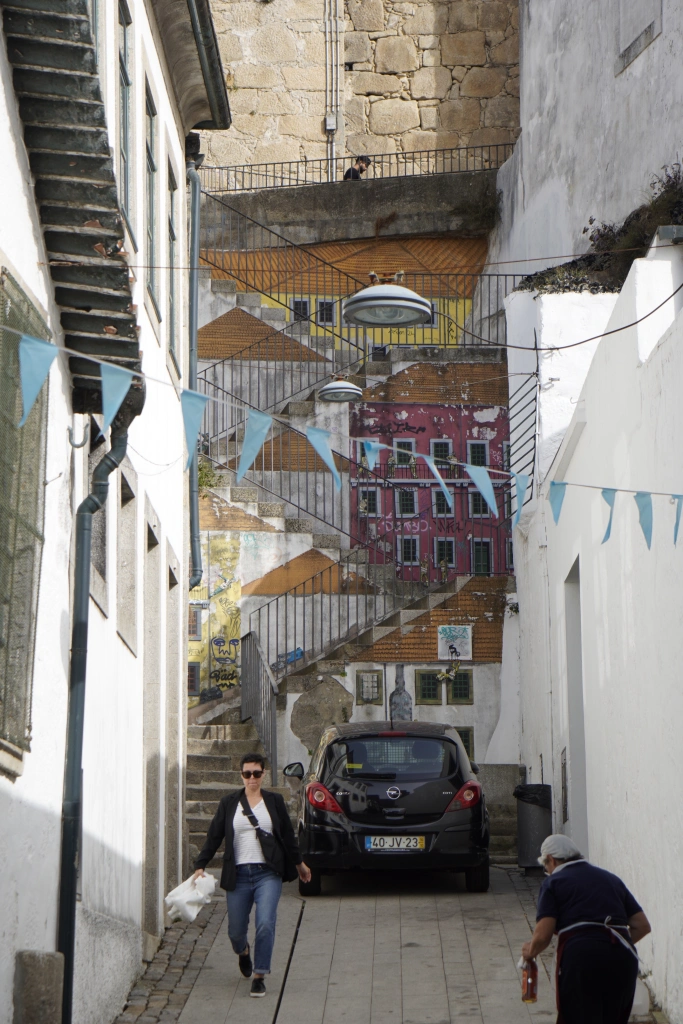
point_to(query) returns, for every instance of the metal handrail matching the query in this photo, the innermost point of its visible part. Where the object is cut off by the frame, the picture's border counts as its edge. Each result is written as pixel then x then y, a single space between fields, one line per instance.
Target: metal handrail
pixel 259 697
pixel 295 173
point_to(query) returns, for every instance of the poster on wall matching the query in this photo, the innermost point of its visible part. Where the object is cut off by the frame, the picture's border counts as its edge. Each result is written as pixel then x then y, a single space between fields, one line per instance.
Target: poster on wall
pixel 455 643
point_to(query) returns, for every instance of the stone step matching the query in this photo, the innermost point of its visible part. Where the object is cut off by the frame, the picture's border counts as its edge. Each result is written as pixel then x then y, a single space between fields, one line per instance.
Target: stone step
pixel 371 636
pixel 357 556
pixel 299 409
pixel 244 494
pixel 327 541
pixel 251 299
pixel 298 526
pixel 238 731
pixel 272 509
pixel 273 316
pixel 224 748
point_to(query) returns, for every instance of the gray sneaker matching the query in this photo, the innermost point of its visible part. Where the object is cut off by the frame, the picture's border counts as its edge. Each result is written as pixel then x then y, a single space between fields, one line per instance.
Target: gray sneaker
pixel 258 988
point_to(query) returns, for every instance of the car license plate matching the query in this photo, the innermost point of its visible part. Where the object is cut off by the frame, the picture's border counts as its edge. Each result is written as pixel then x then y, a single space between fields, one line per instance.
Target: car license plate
pixel 388 843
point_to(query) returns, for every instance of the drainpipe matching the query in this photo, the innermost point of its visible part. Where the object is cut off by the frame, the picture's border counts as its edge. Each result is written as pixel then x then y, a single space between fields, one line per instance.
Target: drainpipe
pixel 193 160
pixel 72 808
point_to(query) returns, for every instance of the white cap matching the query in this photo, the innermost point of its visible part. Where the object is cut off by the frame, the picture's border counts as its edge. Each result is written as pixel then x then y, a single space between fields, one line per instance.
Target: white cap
pixel 560 847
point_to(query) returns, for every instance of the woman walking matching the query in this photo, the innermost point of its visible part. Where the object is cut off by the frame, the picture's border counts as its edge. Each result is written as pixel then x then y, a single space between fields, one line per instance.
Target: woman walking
pixel 598 922
pixel 260 852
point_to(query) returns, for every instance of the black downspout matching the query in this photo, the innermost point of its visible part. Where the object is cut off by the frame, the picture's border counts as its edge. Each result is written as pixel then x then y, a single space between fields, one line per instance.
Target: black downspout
pixel 72 809
pixel 193 157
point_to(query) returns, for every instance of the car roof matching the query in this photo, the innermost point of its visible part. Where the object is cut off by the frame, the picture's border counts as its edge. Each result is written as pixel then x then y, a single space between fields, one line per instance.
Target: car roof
pixel 433 729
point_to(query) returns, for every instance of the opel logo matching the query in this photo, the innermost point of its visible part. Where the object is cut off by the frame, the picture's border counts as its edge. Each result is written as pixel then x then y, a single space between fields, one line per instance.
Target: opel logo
pixel 393 792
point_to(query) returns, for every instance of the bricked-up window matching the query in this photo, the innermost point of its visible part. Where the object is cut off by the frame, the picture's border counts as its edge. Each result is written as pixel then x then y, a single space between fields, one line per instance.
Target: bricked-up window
pixel 460 689
pixel 125 90
pixel 466 734
pixel 22 469
pixel 428 688
pixel 193 673
pixel 477 453
pixel 194 623
pixel 408 550
pixel 369 687
pixel 481 558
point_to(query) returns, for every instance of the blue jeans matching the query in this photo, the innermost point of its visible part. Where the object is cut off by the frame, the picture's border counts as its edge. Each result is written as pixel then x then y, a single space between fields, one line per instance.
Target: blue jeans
pixel 256 884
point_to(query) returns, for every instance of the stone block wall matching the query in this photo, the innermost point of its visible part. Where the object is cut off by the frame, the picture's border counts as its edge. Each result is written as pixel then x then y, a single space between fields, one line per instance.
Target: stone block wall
pixel 415 76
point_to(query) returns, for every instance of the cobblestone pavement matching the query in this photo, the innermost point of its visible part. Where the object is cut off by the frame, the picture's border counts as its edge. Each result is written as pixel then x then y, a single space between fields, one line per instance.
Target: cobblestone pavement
pixel 372 949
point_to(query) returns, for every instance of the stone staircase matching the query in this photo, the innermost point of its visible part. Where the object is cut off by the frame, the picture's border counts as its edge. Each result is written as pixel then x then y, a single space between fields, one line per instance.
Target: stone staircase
pixel 214 750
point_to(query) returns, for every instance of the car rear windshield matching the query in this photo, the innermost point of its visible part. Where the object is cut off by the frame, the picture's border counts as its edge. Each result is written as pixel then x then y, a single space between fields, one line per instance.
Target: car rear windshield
pixel 392 757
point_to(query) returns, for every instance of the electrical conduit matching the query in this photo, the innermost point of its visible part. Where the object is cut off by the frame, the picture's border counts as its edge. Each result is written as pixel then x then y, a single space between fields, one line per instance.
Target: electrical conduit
pixel 191 150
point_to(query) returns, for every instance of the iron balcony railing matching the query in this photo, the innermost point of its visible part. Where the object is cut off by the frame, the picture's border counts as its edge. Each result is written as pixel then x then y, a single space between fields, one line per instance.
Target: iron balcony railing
pixel 293 173
pixel 259 695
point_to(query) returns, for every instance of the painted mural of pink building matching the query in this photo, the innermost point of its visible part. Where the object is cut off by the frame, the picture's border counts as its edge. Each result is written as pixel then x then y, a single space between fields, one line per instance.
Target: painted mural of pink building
pixel 455 413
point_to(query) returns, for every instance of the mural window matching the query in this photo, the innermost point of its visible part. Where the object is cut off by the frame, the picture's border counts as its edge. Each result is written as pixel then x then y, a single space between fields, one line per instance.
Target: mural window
pixel 369 687
pixel 444 551
pixel 403 452
pixel 151 196
pixel 369 501
pixel 326 313
pixel 466 734
pixel 482 562
pixel 22 463
pixel 194 623
pixel 428 688
pixel 301 310
pixel 125 89
pixel 460 689
pixel 440 506
pixel 406 501
pixel 441 450
pixel 478 453
pixel 193 675
pixel 478 505
pixel 408 550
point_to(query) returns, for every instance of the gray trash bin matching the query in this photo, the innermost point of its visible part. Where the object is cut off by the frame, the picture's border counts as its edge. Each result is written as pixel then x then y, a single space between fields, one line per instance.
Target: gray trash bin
pixel 534 822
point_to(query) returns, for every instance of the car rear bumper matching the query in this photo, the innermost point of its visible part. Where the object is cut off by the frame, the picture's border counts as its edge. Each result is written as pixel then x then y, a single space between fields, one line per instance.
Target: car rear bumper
pixel 339 850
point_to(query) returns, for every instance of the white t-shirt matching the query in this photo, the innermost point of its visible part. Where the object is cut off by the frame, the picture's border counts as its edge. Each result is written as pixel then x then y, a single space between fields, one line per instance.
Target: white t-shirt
pixel 246 844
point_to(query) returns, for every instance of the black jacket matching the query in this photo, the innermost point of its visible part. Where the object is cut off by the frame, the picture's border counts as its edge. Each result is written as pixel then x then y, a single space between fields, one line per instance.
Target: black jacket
pixel 222 828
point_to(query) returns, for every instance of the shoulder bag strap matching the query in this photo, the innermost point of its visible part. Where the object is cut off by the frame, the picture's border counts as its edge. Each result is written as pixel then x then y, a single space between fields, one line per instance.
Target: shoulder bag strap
pixel 248 813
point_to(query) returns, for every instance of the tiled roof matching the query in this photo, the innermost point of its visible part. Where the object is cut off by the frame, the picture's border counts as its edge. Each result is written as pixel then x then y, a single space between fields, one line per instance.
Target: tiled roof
pixel 290 452
pixel 236 331
pixel 217 514
pixel 412 255
pixel 437 383
pixel 481 603
pixel 329 578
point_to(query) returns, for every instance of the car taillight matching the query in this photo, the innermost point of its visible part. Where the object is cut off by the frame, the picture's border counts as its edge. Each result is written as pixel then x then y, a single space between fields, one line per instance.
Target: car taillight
pixel 467 796
pixel 321 798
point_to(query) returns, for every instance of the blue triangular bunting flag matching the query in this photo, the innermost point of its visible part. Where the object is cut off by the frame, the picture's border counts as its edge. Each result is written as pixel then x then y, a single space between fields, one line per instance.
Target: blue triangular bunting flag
pixel 678 498
pixel 35 359
pixel 521 484
pixel 320 441
pixel 609 494
pixel 256 431
pixel 192 405
pixel 556 497
pixel 115 384
pixel 432 465
pixel 372 450
pixel 482 481
pixel 643 500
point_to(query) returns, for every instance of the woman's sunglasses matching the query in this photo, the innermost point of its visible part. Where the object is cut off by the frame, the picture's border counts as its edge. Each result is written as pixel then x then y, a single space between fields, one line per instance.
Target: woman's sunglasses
pixel 248 775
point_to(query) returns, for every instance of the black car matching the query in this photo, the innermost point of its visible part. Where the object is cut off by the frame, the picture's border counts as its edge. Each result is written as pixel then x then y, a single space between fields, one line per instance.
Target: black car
pixel 383 796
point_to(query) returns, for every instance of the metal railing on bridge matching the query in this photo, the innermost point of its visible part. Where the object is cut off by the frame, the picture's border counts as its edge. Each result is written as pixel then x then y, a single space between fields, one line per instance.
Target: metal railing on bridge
pixel 294 173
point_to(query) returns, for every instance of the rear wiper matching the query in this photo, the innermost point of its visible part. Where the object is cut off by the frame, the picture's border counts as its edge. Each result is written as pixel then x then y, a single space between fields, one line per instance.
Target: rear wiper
pixel 373 775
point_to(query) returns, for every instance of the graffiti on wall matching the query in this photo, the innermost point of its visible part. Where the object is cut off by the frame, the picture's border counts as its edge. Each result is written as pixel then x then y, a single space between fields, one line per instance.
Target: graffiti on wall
pixel 218 651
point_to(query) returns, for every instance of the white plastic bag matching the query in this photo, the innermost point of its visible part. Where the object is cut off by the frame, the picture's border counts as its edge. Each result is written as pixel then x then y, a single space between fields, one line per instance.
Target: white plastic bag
pixel 185 901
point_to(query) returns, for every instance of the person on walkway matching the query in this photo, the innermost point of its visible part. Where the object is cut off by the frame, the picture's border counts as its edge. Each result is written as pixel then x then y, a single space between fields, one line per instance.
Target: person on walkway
pixel 356 172
pixel 598 922
pixel 260 852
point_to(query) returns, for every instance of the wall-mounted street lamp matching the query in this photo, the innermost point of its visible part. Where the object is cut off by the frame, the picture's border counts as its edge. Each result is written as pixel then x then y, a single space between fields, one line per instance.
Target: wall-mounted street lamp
pixel 340 390
pixel 387 305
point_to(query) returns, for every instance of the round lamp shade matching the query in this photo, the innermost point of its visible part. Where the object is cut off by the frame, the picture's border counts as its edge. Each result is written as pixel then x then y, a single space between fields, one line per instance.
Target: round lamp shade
pixel 340 391
pixel 387 305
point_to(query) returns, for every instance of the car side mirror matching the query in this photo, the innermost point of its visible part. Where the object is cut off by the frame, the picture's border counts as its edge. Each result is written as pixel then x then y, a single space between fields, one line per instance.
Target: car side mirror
pixel 294 771
pixel 473 765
